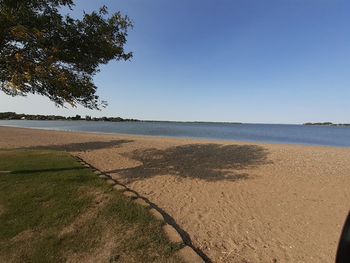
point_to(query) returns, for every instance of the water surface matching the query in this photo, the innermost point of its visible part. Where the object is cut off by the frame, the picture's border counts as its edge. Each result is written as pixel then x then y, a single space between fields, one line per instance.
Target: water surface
pixel 267 133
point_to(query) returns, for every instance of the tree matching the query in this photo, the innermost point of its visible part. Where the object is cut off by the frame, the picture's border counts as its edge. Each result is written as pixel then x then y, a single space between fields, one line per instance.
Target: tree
pixel 44 52
pixel 76 118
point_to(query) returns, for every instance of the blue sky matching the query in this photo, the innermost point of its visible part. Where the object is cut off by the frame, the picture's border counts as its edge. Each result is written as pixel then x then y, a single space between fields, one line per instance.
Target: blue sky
pixel 282 61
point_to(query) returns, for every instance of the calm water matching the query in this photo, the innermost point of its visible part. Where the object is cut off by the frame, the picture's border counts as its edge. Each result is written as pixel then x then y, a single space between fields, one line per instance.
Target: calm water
pixel 269 133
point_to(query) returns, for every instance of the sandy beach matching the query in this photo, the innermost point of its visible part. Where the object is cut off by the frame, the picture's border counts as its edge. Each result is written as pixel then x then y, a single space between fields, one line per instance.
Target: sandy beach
pixel 238 202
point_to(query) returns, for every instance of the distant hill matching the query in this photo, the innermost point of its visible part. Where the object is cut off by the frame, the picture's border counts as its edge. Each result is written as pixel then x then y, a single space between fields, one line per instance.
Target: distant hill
pixel 15 116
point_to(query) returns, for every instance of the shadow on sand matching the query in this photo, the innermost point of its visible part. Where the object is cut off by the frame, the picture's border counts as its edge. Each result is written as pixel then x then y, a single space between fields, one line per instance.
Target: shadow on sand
pixel 210 162
pixel 84 146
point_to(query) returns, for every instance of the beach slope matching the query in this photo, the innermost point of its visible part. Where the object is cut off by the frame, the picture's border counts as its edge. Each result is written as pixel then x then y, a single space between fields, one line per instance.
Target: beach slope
pixel 238 202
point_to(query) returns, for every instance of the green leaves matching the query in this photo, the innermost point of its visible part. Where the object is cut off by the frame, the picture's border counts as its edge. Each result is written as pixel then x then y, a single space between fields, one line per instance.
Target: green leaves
pixel 43 52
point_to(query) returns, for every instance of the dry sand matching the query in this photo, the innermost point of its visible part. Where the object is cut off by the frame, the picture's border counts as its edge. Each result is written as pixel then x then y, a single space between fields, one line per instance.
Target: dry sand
pixel 239 202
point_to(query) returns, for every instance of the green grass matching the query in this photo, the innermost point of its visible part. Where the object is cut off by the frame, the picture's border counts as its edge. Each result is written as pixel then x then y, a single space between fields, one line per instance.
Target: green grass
pixel 52 209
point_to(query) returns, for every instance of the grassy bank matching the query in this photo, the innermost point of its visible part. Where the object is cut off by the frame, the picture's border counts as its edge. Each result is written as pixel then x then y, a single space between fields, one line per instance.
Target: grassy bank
pixel 52 210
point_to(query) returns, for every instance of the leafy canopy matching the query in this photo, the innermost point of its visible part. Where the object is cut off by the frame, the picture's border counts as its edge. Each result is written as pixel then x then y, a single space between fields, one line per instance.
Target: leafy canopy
pixel 54 55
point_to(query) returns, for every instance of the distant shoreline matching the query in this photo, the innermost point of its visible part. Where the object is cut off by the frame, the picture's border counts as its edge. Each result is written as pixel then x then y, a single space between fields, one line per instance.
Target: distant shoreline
pixel 32 117
pixel 327 124
pixel 7 116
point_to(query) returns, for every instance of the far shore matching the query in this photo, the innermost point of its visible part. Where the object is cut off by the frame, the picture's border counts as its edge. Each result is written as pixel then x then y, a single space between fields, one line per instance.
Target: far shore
pixel 236 201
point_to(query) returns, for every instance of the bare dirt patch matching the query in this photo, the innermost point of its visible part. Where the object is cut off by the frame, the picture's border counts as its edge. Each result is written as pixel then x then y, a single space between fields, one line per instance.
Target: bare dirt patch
pixel 102 252
pixel 24 236
pixel 99 200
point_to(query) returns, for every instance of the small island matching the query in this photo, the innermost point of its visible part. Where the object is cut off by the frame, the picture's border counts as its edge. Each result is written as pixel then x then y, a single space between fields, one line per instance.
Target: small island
pixel 326 124
pixel 22 116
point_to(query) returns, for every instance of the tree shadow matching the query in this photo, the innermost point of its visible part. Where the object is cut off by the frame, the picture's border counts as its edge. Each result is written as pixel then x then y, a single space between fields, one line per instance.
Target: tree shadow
pixel 47 170
pixel 83 146
pixel 210 162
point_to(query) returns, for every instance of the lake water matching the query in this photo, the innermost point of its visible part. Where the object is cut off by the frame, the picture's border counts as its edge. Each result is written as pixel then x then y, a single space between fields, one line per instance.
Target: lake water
pixel 268 133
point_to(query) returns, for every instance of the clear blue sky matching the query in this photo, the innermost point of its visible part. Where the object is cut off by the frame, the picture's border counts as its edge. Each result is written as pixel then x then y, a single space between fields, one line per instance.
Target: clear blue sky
pixel 282 61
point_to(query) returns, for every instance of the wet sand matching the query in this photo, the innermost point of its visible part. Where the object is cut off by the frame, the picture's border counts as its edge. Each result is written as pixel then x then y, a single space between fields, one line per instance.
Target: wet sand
pixel 239 202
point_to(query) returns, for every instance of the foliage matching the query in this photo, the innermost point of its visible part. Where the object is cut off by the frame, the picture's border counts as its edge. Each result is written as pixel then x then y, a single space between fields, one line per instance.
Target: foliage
pixel 43 52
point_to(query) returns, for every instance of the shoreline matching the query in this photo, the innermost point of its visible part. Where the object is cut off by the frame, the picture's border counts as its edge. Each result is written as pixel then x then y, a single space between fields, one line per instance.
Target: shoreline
pixel 237 201
pixel 199 139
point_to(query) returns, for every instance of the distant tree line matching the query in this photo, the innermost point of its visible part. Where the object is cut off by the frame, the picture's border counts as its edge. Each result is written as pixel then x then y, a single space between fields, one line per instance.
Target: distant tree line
pixel 15 116
pixel 326 124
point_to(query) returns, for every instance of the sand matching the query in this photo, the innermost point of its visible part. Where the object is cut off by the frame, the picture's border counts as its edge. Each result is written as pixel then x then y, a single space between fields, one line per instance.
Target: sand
pixel 238 202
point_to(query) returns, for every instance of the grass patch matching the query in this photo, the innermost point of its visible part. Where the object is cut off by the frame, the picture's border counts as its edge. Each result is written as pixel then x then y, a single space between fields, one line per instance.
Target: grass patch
pixel 52 209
